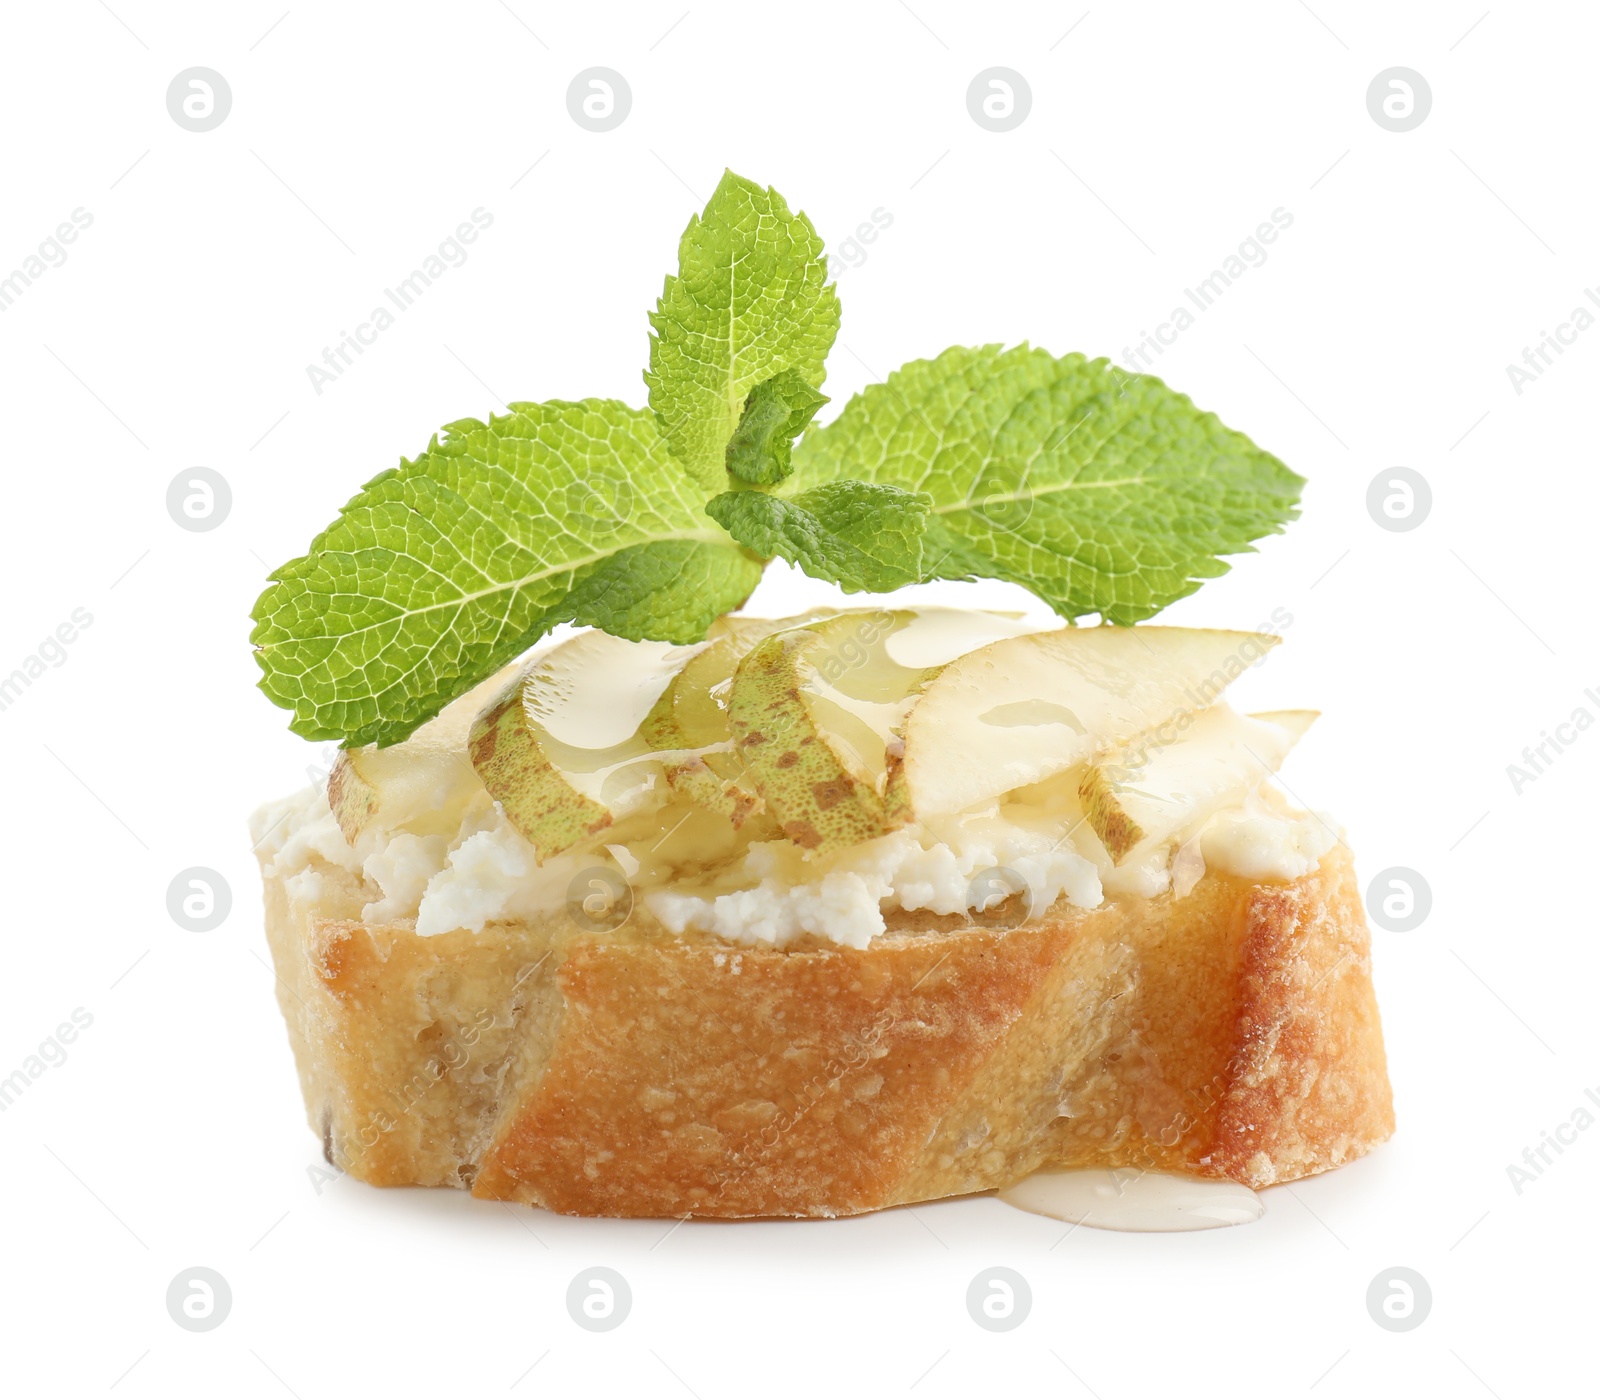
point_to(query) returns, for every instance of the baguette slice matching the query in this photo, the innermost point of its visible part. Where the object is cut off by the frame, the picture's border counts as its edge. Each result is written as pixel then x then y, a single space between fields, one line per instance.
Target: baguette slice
pixel 1232 1033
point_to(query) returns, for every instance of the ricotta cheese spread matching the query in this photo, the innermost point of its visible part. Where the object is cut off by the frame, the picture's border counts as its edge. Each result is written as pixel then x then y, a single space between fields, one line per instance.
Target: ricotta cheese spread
pixel 770 894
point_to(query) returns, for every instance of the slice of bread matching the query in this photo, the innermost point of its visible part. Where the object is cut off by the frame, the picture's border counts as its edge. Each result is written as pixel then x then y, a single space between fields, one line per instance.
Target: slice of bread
pixel 1231 1033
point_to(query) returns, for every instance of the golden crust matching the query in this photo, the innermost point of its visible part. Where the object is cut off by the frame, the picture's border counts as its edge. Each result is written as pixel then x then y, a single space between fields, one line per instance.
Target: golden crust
pixel 1232 1033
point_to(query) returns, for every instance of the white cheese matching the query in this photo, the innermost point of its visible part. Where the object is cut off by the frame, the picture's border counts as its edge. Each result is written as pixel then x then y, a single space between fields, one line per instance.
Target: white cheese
pixel 1258 843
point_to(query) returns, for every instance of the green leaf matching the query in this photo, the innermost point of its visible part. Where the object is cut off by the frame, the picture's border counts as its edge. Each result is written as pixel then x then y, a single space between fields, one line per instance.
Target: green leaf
pixel 776 413
pixel 668 591
pixel 866 537
pixel 1102 491
pixel 750 300
pixel 440 571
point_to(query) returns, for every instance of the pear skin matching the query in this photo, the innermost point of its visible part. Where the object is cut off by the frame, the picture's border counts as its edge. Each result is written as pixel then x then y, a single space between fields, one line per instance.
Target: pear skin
pixel 805 782
pixel 510 758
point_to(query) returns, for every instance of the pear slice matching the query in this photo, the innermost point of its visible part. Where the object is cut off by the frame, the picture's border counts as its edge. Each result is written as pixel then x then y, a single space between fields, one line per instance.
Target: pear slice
pixel 1147 791
pixel 560 747
pixel 419 785
pixel 816 713
pixel 1022 709
pixel 690 720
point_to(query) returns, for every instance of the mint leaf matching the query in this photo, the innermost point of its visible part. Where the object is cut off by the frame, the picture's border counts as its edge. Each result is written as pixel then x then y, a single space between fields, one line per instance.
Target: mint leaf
pixel 750 300
pixel 866 537
pixel 776 413
pixel 1102 491
pixel 667 591
pixel 440 571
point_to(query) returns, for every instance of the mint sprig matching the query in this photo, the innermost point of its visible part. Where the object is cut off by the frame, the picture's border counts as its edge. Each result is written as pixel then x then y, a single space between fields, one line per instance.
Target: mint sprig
pixel 1103 492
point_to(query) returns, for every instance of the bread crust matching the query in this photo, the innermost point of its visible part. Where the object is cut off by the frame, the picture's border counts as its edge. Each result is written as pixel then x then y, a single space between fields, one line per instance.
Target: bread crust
pixel 1232 1033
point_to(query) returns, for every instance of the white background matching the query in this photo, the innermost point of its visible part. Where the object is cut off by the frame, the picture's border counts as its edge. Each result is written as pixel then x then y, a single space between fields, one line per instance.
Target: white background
pixel 1377 334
